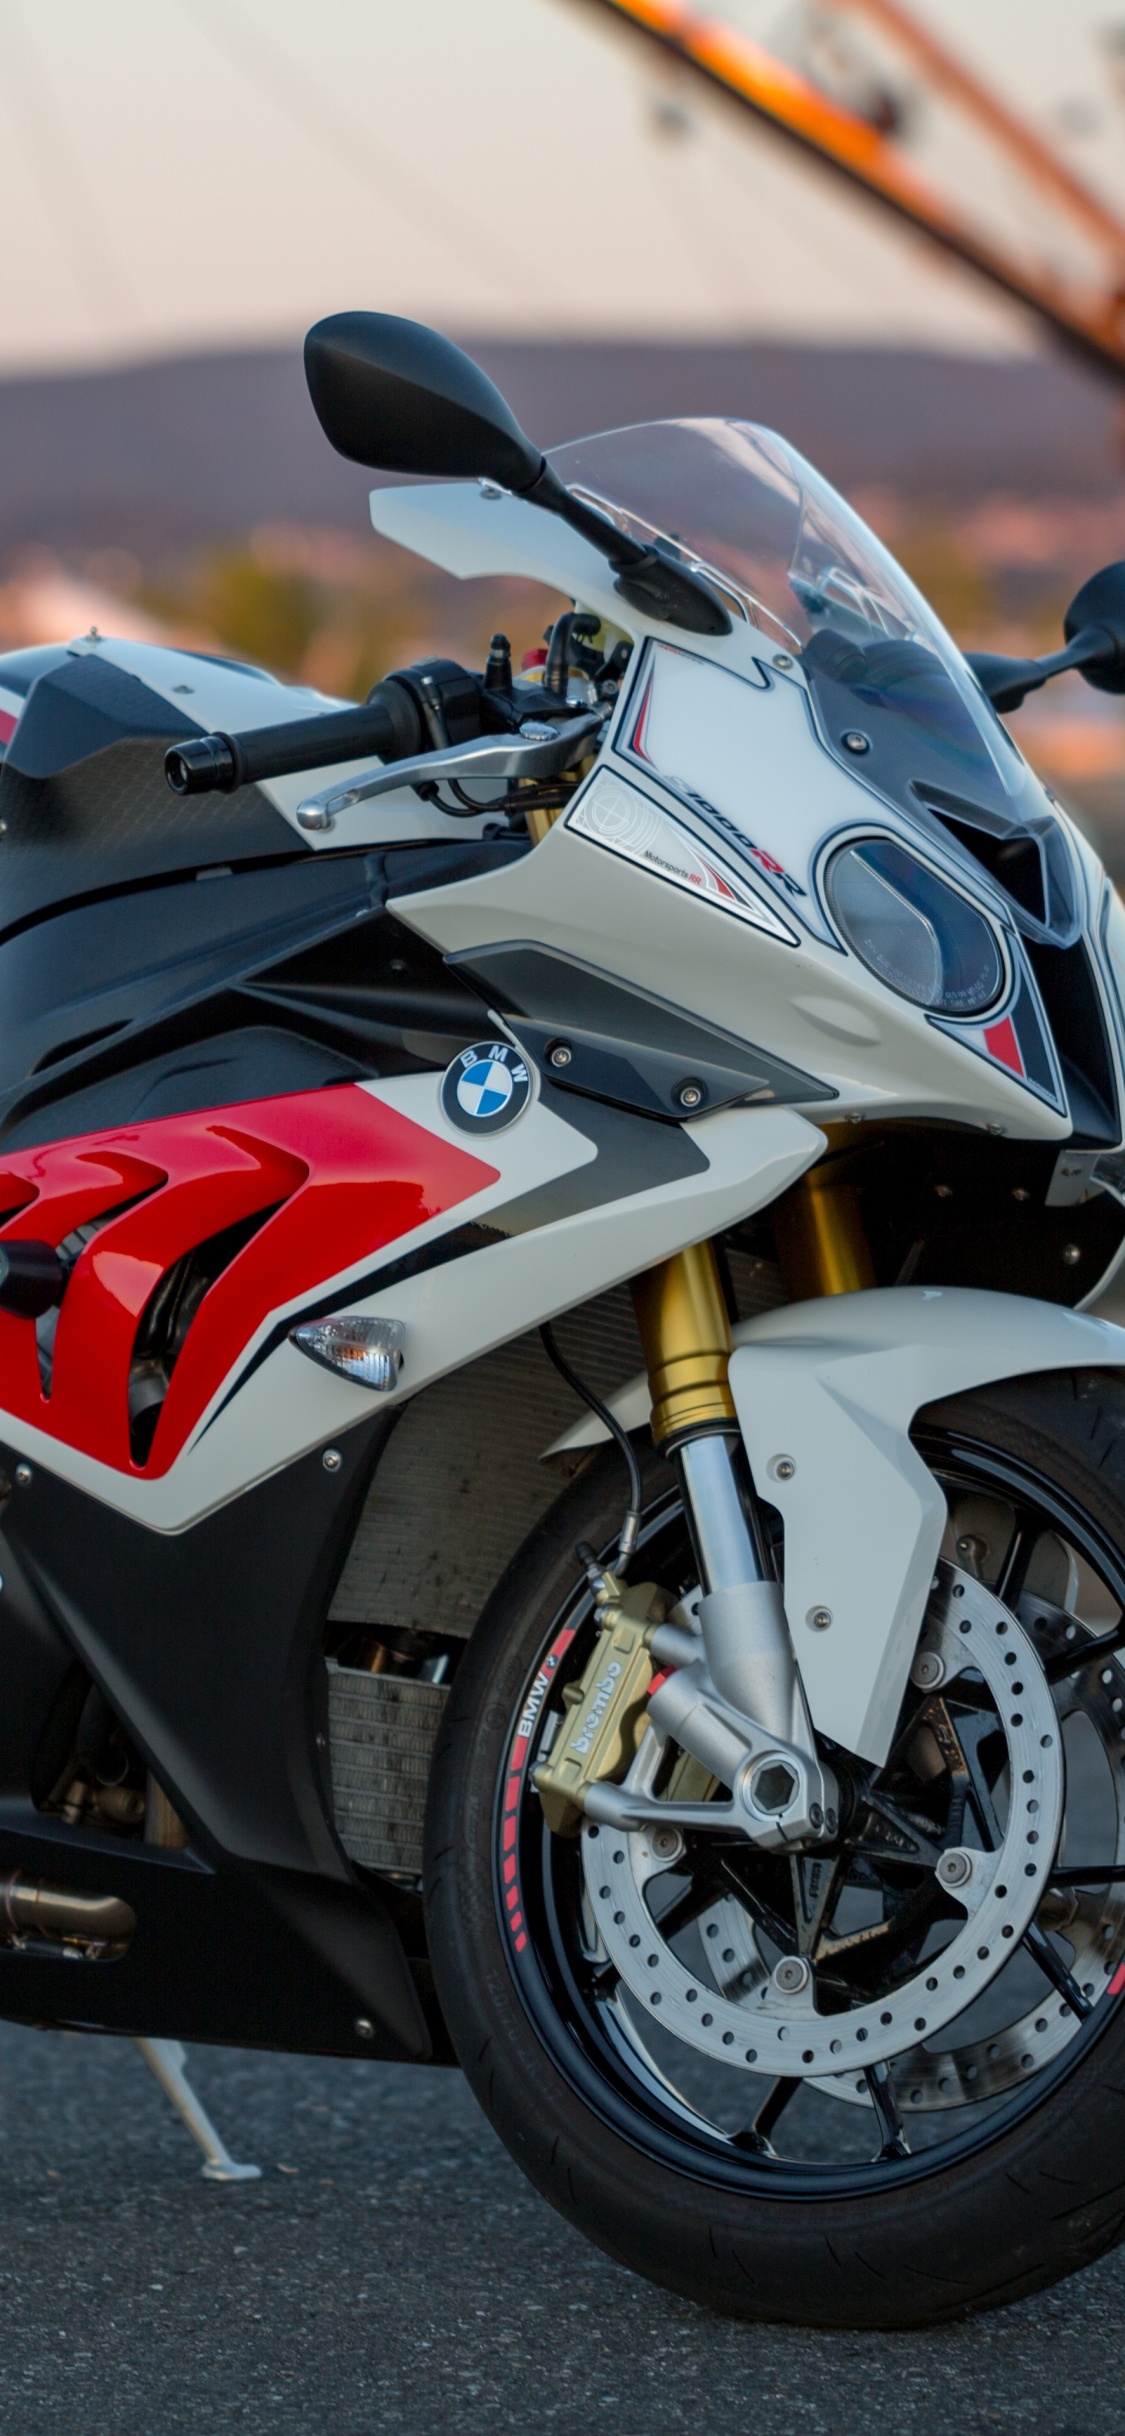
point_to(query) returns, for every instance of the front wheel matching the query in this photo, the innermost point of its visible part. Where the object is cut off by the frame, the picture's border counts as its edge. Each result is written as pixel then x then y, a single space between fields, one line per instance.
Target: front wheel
pixel 876 2086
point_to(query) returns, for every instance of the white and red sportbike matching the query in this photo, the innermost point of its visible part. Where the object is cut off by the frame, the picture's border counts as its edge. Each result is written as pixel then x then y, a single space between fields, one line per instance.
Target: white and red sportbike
pixel 715 1020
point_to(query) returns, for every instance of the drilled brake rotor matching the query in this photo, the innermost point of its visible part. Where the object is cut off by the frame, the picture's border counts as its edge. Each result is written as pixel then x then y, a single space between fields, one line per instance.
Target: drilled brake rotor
pixel 1091 1920
pixel 741 2015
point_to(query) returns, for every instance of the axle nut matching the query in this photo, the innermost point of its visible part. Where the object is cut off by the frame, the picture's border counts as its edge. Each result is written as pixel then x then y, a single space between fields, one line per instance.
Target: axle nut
pixel 955 1869
pixel 928 1670
pixel 773 1786
pixel 792 1975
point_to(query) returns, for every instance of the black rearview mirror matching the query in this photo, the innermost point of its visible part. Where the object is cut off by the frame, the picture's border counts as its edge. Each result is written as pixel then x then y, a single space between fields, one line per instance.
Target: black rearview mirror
pixel 1094 627
pixel 1100 605
pixel 396 395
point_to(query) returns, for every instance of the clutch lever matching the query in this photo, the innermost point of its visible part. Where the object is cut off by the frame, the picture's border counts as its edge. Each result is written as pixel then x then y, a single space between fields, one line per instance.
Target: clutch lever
pixel 540 750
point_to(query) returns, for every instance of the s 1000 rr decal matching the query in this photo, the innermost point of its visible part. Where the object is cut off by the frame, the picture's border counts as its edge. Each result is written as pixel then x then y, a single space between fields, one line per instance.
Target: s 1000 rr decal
pixel 618 817
pixel 740 751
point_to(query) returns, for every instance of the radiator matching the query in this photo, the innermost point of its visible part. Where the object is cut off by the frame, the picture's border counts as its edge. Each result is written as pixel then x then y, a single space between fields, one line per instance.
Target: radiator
pixel 382 1731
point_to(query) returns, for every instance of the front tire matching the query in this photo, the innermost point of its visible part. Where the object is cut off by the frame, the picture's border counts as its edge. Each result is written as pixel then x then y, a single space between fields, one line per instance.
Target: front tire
pixel 1000 2195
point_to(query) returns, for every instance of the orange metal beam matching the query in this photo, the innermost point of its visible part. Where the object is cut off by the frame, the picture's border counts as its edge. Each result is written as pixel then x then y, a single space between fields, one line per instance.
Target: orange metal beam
pixel 945 74
pixel 1090 318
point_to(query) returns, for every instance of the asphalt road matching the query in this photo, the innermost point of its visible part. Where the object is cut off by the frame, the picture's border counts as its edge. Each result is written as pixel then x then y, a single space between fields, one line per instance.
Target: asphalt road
pixel 393 2271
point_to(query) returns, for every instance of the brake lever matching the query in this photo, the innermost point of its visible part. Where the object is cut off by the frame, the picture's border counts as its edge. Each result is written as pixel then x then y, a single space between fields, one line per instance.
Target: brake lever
pixel 540 750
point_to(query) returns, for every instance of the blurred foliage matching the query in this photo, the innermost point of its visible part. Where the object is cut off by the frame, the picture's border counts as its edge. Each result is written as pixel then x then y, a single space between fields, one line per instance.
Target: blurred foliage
pixel 337 613
pixel 952 580
pixel 260 612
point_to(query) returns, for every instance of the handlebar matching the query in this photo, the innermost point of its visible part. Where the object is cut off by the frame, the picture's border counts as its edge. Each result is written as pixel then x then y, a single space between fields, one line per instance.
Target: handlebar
pixel 388 725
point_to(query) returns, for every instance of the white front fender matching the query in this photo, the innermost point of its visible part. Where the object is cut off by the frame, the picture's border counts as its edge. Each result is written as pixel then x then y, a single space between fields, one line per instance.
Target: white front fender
pixel 832 1387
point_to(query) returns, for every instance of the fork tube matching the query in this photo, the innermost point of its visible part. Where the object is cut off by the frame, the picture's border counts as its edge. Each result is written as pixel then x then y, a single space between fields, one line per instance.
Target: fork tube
pixel 687 1343
pixel 723 1533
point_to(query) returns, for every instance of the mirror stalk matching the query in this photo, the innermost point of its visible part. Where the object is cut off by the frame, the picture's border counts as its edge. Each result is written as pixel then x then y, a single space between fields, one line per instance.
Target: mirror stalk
pixel 394 395
pixel 647 576
pixel 1097 652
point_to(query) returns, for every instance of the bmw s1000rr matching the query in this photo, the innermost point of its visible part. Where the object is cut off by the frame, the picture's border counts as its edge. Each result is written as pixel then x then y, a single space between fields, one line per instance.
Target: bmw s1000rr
pixel 562 1431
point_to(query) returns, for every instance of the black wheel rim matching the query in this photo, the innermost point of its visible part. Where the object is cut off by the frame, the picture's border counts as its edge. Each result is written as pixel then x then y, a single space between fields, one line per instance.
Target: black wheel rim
pixel 582 2018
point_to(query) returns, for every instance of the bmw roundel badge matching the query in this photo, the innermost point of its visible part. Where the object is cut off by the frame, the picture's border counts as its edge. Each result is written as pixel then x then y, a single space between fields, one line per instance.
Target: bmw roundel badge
pixel 486 1087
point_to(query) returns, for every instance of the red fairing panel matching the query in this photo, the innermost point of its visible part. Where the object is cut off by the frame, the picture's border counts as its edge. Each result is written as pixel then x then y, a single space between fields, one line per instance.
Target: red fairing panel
pixel 342 1174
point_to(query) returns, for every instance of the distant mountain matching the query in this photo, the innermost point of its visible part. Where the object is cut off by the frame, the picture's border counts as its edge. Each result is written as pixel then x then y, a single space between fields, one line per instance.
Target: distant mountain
pixel 160 456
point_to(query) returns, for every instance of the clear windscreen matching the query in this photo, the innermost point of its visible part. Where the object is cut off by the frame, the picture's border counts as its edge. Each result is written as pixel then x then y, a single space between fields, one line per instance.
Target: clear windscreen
pixel 894 700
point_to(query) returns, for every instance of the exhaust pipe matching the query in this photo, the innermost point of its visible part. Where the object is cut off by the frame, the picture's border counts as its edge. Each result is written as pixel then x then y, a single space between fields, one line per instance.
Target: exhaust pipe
pixel 58 1911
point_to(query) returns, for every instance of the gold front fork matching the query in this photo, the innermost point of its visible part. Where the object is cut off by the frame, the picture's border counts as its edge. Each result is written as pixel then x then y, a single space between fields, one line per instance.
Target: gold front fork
pixel 820 1236
pixel 685 1333
pixel 682 1314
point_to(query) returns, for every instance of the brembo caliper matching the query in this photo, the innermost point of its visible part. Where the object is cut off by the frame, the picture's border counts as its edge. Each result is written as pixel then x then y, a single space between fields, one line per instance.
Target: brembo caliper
pixel 648 1670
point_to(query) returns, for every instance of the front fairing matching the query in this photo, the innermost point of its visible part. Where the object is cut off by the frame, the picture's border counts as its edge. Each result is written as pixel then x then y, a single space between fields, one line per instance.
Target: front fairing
pixel 887 686
pixel 733 784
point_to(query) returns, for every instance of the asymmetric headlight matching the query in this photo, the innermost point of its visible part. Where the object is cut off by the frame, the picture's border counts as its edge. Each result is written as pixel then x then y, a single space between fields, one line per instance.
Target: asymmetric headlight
pixel 923 939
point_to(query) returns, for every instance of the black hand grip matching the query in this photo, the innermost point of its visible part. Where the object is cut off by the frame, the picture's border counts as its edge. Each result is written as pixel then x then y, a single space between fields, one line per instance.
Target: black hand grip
pixel 201 766
pixel 388 724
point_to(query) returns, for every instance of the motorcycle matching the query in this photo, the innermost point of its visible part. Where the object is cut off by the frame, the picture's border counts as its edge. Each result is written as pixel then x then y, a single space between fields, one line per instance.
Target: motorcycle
pixel 713 1029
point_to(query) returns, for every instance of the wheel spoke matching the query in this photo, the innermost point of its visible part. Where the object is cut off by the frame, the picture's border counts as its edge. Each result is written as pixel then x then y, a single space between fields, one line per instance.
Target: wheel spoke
pixel 1089 1873
pixel 696 1898
pixel 1017 1557
pixel 974 1730
pixel 881 2091
pixel 757 2133
pixel 772 1922
pixel 1089 1651
pixel 885 1940
pixel 1042 1951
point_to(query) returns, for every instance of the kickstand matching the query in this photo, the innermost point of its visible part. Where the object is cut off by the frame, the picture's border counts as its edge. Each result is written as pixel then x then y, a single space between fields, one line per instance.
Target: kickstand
pixel 166 2058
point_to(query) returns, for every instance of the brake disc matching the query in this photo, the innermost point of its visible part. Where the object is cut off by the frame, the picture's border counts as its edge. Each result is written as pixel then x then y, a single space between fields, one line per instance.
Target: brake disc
pixel 927 2078
pixel 743 2018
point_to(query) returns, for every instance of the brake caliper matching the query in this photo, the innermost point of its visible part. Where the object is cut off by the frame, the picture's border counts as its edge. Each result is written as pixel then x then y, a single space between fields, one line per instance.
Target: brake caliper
pixel 604 1712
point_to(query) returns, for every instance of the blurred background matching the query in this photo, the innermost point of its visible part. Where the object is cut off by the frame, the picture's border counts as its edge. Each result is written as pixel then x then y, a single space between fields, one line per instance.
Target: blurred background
pixel 896 233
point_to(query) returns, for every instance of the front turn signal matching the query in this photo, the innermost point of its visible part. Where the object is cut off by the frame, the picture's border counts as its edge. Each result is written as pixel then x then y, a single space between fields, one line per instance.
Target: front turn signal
pixel 369 1351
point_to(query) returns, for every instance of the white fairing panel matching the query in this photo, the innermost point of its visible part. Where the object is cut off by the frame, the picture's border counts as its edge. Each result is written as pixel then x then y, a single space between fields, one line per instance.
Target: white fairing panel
pixel 832 1388
pixel 752 968
pixel 572 1215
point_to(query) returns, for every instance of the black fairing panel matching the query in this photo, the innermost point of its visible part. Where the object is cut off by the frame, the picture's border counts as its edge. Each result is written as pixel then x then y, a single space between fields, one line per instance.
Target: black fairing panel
pixel 35 1656
pixel 83 800
pixel 204 1640
pixel 235 985
pixel 82 705
pixel 1074 1011
pixel 111 821
pixel 206 1644
pixel 248 1957
pixel 621 1043
pixel 134 957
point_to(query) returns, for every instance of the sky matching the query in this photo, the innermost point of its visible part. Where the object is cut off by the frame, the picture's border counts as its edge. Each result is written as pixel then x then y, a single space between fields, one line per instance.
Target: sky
pixel 185 174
